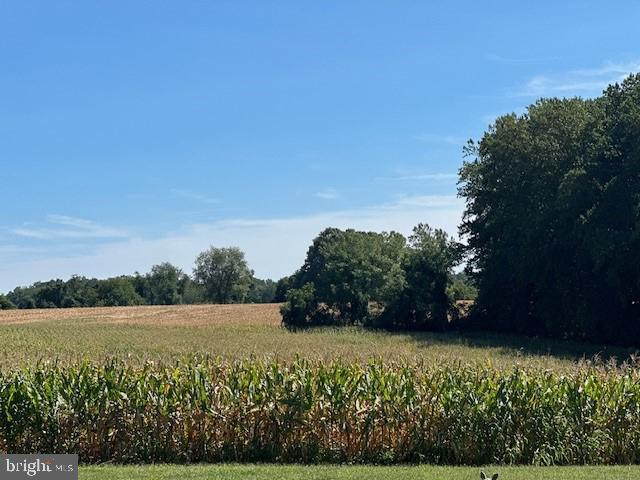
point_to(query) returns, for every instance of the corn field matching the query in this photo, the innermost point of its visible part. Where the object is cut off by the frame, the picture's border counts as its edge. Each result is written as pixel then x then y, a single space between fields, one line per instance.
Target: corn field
pixel 206 410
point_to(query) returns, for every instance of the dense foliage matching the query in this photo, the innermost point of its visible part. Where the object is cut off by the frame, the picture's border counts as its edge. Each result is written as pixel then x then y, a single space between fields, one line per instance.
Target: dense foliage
pixel 553 218
pixel 462 287
pixel 78 292
pixel 5 303
pixel 205 411
pixel 261 291
pixel 351 277
pixel 426 265
pixel 165 284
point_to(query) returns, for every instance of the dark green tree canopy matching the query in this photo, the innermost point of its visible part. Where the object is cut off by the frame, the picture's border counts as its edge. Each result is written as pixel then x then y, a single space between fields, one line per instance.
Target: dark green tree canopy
pixel 118 292
pixel 5 303
pixel 552 218
pixel 423 303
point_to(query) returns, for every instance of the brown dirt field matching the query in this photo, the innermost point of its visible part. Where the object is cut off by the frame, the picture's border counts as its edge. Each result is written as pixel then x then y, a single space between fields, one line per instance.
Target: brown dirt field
pixel 185 315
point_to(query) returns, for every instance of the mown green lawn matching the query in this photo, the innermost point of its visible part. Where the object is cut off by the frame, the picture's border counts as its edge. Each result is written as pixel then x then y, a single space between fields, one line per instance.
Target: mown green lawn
pixel 332 472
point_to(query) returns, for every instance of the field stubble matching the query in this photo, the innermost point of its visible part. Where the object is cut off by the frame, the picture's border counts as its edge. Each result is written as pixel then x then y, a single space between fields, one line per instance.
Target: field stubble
pixel 167 333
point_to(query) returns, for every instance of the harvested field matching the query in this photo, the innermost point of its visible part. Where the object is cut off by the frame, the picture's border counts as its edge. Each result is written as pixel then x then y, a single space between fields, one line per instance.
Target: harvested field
pixel 264 314
pixel 167 333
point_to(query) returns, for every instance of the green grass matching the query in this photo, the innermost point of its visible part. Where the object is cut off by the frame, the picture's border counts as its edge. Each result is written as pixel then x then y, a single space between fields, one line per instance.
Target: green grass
pixel 71 340
pixel 294 472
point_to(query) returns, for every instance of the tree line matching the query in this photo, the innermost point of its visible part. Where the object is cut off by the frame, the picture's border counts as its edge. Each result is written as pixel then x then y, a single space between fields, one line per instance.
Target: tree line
pixel 350 270
pixel 551 229
pixel 552 219
pixel 220 275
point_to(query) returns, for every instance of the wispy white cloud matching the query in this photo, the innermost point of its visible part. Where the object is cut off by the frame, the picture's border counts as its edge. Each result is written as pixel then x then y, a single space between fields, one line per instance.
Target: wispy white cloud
pixel 191 195
pixel 490 118
pixel 439 177
pixel 426 201
pixel 17 251
pixel 71 221
pixel 72 228
pixel 327 194
pixel 274 247
pixel 435 138
pixel 587 82
pixel 31 233
pixel 494 57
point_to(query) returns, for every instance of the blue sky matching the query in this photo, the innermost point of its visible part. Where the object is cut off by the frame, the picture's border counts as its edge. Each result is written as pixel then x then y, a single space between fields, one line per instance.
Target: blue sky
pixel 137 132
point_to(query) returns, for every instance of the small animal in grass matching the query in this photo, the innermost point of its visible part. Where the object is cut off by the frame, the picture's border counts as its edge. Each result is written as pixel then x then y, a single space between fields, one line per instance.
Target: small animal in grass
pixel 484 477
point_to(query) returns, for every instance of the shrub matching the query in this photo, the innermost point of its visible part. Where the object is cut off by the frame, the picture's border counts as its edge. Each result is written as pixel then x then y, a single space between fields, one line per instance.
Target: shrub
pixel 300 306
pixel 5 303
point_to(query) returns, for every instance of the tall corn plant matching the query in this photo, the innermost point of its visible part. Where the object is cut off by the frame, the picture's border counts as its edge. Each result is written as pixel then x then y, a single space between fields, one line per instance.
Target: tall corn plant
pixel 207 410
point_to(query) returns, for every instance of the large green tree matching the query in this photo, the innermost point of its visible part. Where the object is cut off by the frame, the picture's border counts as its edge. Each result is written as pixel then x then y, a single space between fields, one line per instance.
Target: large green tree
pixel 348 270
pixel 552 218
pixel 224 274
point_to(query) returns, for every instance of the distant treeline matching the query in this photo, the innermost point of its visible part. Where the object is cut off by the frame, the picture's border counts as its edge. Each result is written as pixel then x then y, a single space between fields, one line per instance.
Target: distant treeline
pixel 221 275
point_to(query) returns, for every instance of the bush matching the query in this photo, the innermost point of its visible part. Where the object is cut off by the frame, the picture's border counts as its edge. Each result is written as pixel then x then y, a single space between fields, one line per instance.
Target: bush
pixel 300 306
pixel 5 303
